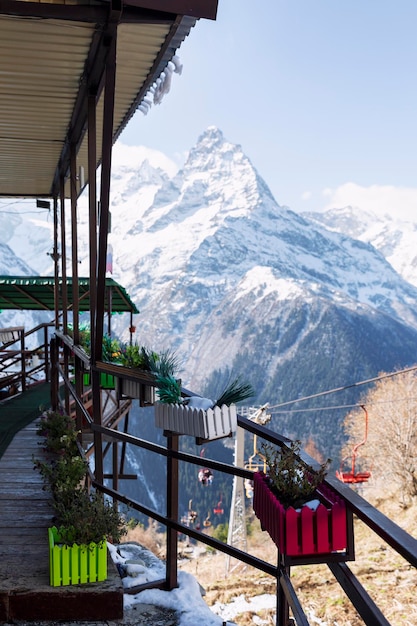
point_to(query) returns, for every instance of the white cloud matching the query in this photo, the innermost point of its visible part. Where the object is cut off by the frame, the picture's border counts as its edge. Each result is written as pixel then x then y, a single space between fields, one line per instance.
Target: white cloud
pixel 135 155
pixel 306 195
pixel 327 192
pixel 380 199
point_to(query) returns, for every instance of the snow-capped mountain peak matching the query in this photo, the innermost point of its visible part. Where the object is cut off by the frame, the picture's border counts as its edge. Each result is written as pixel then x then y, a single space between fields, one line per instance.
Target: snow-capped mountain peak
pixel 231 280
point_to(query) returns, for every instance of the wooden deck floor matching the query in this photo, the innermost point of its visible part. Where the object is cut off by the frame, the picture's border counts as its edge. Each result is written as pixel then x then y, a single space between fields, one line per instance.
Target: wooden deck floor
pixel 25 514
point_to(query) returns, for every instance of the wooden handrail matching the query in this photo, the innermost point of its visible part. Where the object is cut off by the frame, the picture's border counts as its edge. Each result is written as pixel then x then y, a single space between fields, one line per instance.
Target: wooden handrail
pixel 394 536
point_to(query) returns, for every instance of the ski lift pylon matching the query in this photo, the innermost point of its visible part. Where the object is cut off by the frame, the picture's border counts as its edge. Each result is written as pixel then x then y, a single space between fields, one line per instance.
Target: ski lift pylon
pixel 354 477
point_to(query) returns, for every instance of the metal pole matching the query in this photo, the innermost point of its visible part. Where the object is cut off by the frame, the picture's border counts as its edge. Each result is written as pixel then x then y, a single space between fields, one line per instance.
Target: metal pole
pixel 283 613
pixel 172 512
pixel 75 286
pixel 92 208
pixel 64 290
pixel 47 357
pixel 108 115
pixel 23 358
pixel 54 374
pixel 55 257
pixel 74 243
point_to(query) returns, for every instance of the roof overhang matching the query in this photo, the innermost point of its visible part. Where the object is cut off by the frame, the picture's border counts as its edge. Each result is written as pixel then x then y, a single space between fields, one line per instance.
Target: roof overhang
pixel 52 53
pixel 36 293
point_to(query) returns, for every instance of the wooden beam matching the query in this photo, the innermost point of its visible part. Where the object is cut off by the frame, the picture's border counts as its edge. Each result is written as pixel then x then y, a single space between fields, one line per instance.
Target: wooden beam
pixel 194 8
pixel 46 10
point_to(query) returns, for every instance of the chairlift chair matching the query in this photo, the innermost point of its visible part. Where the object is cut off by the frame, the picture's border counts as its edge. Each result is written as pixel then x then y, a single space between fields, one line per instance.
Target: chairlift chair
pixel 205 475
pixel 256 461
pixel 218 509
pixel 355 477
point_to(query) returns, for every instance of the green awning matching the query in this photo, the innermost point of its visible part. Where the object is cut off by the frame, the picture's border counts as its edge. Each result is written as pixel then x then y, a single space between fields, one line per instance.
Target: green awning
pixel 36 293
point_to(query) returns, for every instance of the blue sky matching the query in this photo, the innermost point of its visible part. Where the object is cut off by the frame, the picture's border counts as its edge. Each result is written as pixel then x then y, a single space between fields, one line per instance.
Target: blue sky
pixel 321 95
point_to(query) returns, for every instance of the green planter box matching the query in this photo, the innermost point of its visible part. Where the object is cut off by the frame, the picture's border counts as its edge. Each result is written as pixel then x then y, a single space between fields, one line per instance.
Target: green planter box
pixel 106 380
pixel 72 565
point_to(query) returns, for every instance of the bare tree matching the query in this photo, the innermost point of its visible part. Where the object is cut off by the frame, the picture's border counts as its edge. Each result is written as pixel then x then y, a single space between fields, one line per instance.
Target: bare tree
pixel 390 451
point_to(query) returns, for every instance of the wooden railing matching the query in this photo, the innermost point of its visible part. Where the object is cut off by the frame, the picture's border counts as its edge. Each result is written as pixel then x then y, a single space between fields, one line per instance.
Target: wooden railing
pixel 21 367
pixel 288 602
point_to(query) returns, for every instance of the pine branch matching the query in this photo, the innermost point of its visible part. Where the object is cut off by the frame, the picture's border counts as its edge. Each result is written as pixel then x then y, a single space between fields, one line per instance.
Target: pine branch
pixel 235 392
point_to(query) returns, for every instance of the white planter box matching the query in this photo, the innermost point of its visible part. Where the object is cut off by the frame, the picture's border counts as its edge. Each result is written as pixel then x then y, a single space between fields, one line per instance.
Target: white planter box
pixel 205 424
pixel 135 389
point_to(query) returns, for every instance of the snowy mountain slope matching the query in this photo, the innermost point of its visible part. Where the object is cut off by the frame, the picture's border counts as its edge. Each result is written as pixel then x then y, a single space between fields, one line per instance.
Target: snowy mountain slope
pixel 11 265
pixel 218 221
pixel 395 238
pixel 234 282
pixel 28 231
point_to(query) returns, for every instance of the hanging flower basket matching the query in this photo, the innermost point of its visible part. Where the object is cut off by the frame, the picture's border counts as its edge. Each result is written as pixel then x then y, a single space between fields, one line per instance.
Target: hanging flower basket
pixel 72 565
pixel 207 424
pixel 303 532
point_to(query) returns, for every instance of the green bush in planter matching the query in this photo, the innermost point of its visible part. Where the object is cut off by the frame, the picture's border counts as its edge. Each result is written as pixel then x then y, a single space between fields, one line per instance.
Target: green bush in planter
pixel 59 432
pixel 81 517
pixel 64 477
pixel 88 518
pixel 72 565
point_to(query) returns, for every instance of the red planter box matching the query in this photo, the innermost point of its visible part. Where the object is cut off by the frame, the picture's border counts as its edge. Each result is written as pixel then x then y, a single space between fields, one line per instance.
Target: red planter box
pixel 302 533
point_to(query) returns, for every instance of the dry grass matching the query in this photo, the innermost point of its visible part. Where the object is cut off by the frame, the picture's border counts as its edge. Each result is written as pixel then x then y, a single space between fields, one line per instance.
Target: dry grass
pixel 387 577
pixel 148 537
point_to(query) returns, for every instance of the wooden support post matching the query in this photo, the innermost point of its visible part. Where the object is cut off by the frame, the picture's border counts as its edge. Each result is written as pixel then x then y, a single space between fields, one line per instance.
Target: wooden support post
pixel 55 258
pixel 283 613
pixel 23 358
pixel 64 291
pixel 123 453
pixel 54 374
pixel 172 512
pixel 74 244
pixel 48 357
pixel 115 463
pixel 108 115
pixel 92 212
pixel 75 286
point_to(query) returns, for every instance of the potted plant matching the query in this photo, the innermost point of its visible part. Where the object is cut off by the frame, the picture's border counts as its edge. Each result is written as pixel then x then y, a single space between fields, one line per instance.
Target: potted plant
pixel 304 517
pixel 199 417
pixel 152 364
pixel 83 520
pixel 112 349
pixel 111 353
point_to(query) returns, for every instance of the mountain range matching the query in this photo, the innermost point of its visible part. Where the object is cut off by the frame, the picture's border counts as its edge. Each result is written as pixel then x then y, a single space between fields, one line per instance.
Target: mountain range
pixel 238 285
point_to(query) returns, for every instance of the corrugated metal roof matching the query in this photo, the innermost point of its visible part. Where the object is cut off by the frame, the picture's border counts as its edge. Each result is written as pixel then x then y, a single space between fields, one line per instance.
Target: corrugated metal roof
pixel 46 52
pixel 36 293
pixel 41 62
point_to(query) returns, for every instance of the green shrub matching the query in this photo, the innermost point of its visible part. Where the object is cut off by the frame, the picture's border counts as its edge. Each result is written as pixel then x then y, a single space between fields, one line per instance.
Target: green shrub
pixel 81 517
pixel 220 532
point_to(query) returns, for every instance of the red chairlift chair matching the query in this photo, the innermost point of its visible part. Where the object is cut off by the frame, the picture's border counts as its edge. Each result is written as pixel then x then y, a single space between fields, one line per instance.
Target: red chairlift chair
pixel 354 477
pixel 218 509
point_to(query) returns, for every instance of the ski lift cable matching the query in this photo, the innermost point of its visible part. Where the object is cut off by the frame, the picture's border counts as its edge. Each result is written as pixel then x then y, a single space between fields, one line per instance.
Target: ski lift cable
pixel 337 389
pixel 322 408
pixel 343 406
